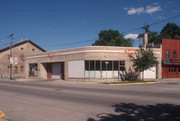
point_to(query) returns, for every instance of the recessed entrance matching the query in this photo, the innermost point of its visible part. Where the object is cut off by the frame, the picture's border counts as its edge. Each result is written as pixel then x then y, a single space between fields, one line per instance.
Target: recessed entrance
pixel 55 70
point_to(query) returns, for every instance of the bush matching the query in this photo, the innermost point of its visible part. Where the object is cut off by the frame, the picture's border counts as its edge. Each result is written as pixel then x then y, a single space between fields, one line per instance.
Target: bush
pixel 132 76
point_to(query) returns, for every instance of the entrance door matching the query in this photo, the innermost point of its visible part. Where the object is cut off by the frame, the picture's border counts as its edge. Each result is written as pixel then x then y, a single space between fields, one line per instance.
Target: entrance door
pixel 62 71
pixel 49 70
pixel 56 70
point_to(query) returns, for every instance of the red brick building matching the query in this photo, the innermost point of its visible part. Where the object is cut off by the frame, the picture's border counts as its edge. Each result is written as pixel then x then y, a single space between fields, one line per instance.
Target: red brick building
pixel 171 58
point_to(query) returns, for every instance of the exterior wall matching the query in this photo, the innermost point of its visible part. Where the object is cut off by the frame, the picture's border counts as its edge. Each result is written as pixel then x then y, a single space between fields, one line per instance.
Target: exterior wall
pixel 19 52
pixel 82 54
pixel 171 45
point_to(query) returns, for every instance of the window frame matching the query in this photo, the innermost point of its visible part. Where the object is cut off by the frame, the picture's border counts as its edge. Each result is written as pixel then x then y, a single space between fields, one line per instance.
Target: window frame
pixel 167 53
pixel 174 54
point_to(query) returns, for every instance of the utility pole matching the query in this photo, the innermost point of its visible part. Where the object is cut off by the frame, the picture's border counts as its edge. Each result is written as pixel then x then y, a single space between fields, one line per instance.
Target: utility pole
pixel 145 39
pixel 11 37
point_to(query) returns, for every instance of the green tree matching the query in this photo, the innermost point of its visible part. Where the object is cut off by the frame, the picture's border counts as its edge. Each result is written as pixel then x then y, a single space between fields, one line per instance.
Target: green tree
pixel 112 38
pixel 152 37
pixel 170 31
pixel 143 59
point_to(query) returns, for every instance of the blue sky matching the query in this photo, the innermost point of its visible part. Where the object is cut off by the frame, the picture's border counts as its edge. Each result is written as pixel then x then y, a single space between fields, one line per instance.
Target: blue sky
pixel 53 23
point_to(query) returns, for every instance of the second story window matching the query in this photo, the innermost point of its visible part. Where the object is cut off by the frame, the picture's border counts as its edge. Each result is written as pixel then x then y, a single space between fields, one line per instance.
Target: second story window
pixel 174 54
pixel 167 53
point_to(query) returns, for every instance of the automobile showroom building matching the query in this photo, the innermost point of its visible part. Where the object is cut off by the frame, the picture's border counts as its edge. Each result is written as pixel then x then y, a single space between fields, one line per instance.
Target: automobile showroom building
pixel 86 63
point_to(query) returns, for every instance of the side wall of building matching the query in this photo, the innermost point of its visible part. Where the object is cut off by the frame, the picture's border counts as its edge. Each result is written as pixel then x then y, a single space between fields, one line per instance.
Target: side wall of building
pixel 19 53
pixel 171 53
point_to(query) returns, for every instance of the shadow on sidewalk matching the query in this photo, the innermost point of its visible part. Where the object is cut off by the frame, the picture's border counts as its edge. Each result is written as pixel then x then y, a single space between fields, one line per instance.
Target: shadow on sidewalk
pixel 133 112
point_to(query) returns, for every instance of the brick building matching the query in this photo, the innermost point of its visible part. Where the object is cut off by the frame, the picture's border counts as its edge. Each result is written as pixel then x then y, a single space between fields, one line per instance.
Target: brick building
pixel 18 52
pixel 170 58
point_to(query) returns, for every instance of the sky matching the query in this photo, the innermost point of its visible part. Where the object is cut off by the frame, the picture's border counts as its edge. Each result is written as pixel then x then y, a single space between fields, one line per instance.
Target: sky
pixel 63 24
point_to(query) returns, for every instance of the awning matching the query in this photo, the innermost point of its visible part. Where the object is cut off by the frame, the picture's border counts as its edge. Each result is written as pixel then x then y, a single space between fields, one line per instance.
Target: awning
pixel 167 61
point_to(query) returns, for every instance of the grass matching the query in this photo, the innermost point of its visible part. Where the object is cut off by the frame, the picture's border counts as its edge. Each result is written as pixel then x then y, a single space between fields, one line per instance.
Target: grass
pixel 128 82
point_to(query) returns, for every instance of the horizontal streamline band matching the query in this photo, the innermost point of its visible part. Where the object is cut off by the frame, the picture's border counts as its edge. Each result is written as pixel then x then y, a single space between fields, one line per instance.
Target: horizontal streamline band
pixel 84 51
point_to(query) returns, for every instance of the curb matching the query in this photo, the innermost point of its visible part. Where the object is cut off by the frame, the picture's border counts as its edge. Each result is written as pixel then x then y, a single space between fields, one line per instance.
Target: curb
pixel 2 115
pixel 135 83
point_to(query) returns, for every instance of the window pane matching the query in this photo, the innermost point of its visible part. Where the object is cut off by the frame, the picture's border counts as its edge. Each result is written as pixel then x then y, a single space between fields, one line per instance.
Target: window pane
pixel 115 65
pixel 109 65
pixel 92 65
pixel 122 65
pixel 167 53
pixel 106 65
pixel 98 65
pixel 174 53
pixel 103 65
pixel 172 69
pixel 86 65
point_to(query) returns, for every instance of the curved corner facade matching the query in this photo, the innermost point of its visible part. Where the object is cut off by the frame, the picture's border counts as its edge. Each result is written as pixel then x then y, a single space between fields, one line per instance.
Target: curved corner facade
pixel 85 63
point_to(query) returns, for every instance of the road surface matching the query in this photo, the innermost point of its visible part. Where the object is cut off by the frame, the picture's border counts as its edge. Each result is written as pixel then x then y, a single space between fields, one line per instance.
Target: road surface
pixel 41 101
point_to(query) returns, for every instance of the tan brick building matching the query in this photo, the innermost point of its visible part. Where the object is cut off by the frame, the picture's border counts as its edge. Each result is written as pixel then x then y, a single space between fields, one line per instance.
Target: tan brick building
pixel 86 63
pixel 18 52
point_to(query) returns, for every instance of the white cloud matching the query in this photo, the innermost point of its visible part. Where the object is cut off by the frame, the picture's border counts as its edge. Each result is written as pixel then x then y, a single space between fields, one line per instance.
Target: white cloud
pixel 131 36
pixel 150 9
pixel 135 11
pixel 140 10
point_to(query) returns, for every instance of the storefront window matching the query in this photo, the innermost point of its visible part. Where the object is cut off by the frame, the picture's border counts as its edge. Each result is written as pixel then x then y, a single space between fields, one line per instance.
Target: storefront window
pixel 87 65
pixel 98 66
pixel 172 69
pixel 122 65
pixel 102 68
pixel 115 65
pixel 92 64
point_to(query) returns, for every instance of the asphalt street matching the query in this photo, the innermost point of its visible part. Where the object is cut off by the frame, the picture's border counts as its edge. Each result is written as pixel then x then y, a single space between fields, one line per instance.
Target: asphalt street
pixel 41 101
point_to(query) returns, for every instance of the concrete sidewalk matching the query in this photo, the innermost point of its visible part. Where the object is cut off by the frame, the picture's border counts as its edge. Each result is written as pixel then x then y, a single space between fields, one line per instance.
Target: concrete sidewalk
pixel 70 82
pixel 3 120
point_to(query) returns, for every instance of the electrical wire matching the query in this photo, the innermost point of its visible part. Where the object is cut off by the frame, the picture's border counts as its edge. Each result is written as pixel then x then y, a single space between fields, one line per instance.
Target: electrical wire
pixel 52 10
pixel 138 28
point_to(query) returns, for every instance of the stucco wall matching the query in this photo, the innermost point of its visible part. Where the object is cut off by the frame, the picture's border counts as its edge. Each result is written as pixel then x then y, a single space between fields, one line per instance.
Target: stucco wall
pixel 85 53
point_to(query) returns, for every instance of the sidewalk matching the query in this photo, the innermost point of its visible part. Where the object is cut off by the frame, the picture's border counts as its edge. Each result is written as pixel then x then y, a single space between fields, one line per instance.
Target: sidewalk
pixel 53 81
pixel 3 120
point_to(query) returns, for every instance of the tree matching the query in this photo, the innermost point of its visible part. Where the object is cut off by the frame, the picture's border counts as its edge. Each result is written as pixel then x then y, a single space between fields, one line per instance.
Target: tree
pixel 170 31
pixel 152 37
pixel 112 38
pixel 143 59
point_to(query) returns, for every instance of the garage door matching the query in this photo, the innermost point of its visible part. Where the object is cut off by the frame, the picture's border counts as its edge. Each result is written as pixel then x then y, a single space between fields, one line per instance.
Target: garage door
pixel 56 70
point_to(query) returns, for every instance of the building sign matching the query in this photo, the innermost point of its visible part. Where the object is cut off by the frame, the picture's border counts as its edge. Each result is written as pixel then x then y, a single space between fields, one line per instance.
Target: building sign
pixel 130 51
pixel 14 60
pixel 51 54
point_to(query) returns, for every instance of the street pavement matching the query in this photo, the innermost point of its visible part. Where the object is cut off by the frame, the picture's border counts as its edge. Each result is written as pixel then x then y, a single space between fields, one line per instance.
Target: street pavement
pixel 77 101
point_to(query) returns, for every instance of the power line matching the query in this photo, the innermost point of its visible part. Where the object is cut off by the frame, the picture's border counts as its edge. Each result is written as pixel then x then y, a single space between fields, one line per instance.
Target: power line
pixel 72 43
pixel 66 9
pixel 164 20
pixel 138 28
pixel 152 24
